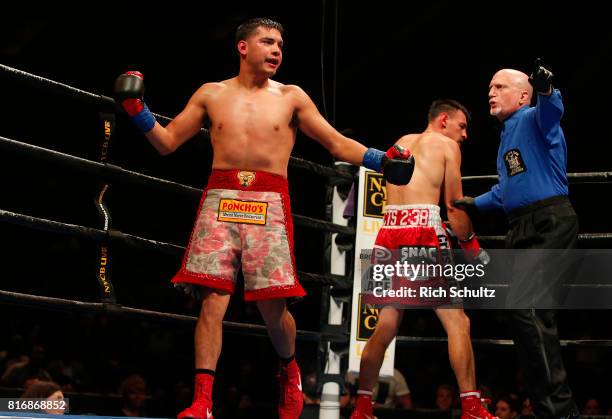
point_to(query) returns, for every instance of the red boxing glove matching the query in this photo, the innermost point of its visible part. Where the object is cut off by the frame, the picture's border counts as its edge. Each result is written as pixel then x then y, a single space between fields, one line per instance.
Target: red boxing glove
pixel 398 165
pixel 132 106
pixel 398 152
pixel 129 92
pixel 473 251
pixel 129 89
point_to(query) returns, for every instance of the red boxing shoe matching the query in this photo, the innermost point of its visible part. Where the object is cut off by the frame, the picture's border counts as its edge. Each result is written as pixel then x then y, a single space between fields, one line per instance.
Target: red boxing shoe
pixel 201 408
pixel 363 407
pixel 472 408
pixel 198 410
pixel 291 400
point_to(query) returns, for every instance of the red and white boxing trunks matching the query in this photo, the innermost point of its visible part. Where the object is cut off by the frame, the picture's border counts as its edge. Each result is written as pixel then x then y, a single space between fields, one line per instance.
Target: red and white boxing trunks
pixel 244 220
pixel 412 225
pixel 414 234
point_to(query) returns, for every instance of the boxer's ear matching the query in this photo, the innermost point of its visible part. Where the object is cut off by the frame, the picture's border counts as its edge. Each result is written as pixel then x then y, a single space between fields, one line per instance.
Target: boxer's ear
pixel 443 119
pixel 242 47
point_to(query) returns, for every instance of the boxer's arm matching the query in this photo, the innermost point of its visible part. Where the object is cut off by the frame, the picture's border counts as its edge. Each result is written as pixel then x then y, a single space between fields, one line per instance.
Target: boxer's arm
pixel 312 123
pixel 458 218
pixel 183 127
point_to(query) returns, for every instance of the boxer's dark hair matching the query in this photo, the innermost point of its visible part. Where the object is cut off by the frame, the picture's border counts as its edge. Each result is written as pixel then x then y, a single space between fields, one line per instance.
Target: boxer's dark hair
pixel 249 27
pixel 446 105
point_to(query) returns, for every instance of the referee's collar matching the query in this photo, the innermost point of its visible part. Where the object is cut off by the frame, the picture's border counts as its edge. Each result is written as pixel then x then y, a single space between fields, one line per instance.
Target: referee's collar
pixel 513 119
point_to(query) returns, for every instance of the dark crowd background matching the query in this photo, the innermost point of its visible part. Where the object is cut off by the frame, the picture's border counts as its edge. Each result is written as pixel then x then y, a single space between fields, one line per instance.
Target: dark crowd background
pixel 372 69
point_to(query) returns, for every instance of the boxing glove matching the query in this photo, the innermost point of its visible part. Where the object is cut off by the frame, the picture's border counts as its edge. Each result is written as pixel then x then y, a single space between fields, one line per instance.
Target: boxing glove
pixel 396 165
pixel 129 92
pixel 473 251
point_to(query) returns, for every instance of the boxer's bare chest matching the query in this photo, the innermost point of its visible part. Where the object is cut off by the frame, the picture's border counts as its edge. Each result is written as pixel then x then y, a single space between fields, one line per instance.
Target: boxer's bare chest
pixel 240 112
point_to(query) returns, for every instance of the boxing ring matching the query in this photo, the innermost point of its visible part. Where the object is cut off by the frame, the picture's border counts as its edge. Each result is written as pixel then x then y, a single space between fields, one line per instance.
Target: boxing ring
pixel 332 339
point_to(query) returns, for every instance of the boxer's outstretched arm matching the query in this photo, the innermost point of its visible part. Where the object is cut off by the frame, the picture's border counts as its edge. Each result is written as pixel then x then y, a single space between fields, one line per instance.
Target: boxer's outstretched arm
pixel 312 123
pixel 459 220
pixel 183 127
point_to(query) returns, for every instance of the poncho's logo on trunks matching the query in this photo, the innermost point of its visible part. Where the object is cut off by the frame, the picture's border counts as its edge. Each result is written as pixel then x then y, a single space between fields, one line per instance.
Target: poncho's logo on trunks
pixel 248 212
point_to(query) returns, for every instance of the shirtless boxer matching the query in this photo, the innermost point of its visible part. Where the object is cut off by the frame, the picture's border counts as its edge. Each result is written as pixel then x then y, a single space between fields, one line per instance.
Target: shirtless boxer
pixel 437 172
pixel 244 217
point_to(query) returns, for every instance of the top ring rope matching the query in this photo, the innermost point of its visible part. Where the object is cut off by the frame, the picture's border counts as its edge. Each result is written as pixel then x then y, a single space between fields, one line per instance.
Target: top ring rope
pixel 78 94
pixel 589 176
pixel 114 173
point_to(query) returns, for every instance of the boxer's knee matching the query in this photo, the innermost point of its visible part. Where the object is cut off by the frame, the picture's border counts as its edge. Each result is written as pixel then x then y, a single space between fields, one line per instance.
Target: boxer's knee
pixel 273 311
pixel 454 320
pixel 214 305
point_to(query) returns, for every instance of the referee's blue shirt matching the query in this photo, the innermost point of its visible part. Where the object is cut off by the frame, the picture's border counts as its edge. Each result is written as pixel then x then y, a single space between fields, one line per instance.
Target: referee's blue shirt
pixel 532 157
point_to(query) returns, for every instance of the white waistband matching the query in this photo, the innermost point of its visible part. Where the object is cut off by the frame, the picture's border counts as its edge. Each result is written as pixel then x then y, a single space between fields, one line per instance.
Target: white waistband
pixel 432 208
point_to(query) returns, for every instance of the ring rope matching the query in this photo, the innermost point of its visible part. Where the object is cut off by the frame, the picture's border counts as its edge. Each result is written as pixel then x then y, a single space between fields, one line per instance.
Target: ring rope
pixel 416 340
pixel 172 249
pixel 78 94
pixel 110 171
pixel 338 281
pixel 118 309
pixel 117 173
pixel 114 173
pixel 581 237
pixel 95 234
pixel 255 329
pixel 592 176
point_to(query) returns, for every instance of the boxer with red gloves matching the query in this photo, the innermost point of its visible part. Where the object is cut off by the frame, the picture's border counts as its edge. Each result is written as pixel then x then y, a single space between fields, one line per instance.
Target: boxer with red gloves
pixel 412 221
pixel 397 164
pixel 244 219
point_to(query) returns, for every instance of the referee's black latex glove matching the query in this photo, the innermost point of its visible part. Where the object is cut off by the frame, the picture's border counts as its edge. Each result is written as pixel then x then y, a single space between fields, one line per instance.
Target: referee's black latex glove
pixel 541 78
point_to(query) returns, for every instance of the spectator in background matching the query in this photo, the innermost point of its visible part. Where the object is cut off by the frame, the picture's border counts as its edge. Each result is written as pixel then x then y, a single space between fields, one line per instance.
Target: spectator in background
pixel 49 391
pixel 133 391
pixel 527 409
pixel 445 397
pixel 592 407
pixel 13 352
pixel 389 392
pixel 507 407
pixel 32 368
